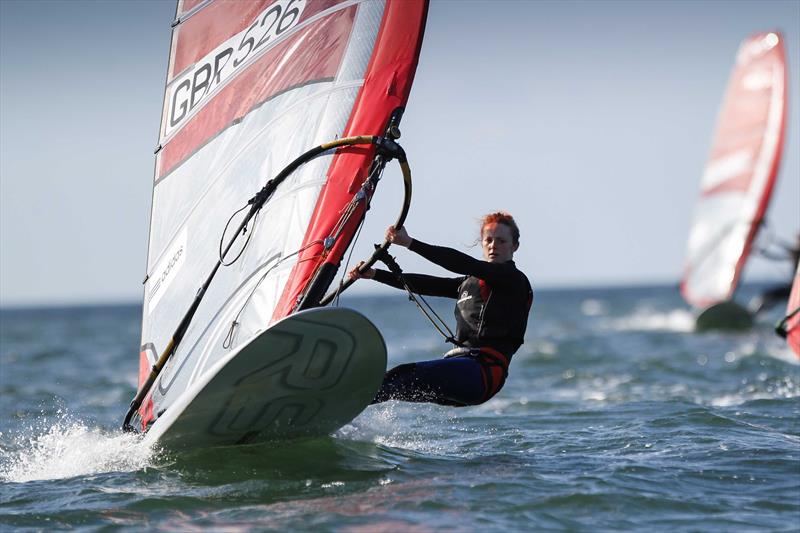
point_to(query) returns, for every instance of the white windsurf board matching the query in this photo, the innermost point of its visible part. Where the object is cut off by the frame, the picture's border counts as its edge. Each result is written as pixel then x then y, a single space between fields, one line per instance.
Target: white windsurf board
pixel 307 375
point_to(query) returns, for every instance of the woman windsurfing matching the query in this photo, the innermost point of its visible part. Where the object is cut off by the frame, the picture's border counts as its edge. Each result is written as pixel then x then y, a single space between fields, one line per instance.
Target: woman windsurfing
pixel 493 299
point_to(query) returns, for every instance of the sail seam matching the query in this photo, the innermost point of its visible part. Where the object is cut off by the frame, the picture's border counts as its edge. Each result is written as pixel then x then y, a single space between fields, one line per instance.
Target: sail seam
pixel 180 19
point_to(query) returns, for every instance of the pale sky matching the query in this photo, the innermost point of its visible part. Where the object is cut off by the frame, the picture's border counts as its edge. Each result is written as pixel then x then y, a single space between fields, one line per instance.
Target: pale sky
pixel 589 121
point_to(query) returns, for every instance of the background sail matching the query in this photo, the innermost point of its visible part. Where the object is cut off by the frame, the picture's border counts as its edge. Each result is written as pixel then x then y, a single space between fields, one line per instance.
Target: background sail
pixel 737 183
pixel 251 86
pixel 793 324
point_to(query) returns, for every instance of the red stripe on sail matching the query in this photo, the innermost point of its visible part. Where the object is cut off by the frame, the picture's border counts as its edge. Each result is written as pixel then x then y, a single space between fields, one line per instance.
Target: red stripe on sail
pixel 221 20
pixel 144 367
pixel 744 135
pixel 777 56
pixel 188 5
pixel 738 183
pixel 793 324
pixel 263 80
pixel 387 83
pixel 146 409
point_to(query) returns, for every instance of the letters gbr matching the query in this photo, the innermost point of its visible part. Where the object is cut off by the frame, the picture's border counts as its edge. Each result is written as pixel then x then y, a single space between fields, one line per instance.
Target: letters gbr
pixel 186 91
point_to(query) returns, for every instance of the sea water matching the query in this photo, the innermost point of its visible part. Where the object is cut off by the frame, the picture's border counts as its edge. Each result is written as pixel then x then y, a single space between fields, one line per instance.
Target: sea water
pixel 616 415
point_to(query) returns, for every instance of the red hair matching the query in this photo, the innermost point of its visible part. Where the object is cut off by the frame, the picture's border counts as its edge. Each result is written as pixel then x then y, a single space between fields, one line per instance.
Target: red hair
pixel 501 217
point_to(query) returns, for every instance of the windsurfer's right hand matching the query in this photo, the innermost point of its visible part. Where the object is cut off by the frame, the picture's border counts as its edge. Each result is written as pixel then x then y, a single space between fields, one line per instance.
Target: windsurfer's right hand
pixel 398 236
pixel 356 274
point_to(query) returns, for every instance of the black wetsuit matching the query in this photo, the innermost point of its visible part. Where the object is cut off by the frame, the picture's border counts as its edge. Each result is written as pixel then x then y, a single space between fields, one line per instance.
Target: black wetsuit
pixel 493 302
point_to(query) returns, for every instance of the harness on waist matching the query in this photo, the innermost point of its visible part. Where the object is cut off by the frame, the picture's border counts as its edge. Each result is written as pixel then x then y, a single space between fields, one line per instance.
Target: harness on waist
pixel 494 366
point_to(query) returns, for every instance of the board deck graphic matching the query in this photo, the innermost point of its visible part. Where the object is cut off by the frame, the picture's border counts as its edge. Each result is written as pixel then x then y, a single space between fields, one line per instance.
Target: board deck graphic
pixel 307 375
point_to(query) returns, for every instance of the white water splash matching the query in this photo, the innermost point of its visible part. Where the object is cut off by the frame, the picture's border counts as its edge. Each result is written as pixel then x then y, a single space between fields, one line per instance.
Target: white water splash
pixel 592 307
pixel 680 320
pixel 416 427
pixel 68 449
pixel 762 389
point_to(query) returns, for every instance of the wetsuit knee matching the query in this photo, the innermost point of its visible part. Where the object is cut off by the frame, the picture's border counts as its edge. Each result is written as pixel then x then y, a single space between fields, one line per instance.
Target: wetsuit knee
pixel 399 383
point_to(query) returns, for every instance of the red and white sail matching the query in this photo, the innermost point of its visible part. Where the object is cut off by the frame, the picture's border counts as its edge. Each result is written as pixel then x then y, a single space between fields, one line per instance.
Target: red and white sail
pixel 738 180
pixel 792 324
pixel 251 85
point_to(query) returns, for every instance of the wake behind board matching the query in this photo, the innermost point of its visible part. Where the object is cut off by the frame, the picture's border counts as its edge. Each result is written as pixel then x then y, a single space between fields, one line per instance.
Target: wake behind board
pixel 307 375
pixel 727 316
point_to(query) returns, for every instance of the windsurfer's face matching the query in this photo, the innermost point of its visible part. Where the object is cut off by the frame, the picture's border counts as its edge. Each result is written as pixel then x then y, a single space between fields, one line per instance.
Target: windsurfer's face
pixel 498 243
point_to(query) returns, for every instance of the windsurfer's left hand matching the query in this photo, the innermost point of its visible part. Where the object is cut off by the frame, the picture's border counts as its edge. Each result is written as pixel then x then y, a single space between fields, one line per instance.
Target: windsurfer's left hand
pixel 356 273
pixel 398 236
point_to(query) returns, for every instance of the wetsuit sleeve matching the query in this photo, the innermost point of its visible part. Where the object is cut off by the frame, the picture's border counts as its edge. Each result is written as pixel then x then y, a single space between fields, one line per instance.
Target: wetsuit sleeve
pixel 461 263
pixel 421 283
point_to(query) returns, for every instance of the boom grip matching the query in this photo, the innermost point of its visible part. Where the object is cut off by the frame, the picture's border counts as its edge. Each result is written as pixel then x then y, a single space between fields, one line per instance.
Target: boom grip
pixel 401 219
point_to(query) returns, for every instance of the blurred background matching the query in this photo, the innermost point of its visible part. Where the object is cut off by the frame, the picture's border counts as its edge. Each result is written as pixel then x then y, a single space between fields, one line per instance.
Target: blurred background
pixel 590 122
